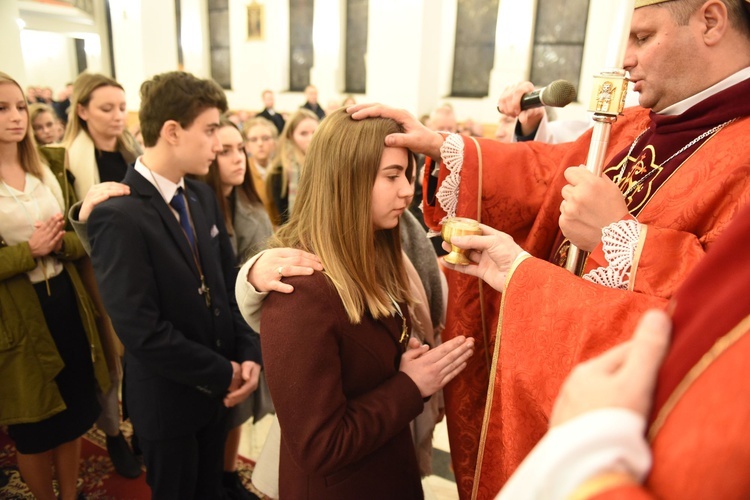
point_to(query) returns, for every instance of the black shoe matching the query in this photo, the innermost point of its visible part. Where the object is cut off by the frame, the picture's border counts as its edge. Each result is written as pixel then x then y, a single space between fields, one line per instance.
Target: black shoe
pixel 122 457
pixel 234 489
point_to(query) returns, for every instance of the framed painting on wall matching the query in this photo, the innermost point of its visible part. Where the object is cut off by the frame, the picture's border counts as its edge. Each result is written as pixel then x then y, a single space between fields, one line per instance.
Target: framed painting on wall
pixel 256 21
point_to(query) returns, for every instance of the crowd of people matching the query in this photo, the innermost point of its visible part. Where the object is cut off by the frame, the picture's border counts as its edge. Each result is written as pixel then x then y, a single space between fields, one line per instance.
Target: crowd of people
pixel 155 268
pixel 254 176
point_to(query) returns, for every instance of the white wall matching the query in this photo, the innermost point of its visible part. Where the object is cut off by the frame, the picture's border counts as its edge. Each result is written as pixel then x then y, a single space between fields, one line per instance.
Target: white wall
pixel 409 57
pixel 144 38
pixel 194 37
pixel 399 73
pixel 260 64
pixel 10 41
pixel 46 44
pixel 49 58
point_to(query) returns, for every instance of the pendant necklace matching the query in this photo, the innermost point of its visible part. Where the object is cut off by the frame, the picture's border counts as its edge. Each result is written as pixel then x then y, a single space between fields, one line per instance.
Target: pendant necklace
pixel 404 339
pixel 618 178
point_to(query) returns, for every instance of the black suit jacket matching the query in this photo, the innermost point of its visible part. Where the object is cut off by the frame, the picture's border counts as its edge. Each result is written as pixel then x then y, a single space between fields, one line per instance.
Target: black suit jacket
pixel 275 118
pixel 315 108
pixel 177 350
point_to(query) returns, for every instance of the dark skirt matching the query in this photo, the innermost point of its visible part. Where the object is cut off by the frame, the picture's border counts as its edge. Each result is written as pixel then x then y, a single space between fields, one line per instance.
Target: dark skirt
pixel 75 381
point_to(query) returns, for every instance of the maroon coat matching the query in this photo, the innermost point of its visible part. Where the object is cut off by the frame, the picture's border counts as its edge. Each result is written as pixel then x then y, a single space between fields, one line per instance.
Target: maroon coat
pixel 343 406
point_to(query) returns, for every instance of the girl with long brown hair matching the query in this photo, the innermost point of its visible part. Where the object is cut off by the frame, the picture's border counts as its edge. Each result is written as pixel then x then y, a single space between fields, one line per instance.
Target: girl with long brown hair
pixel 232 181
pixel 249 229
pixel 348 381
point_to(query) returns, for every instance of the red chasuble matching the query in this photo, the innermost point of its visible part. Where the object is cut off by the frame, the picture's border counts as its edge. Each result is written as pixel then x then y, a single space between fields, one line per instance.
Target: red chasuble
pixel 701 414
pixel 549 320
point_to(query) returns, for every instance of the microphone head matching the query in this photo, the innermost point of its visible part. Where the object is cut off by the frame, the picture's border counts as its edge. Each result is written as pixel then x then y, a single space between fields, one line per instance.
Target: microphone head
pixel 559 94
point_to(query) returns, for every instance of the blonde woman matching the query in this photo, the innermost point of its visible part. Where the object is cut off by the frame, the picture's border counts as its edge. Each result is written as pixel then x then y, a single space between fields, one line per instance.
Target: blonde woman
pixel 96 139
pixel 281 182
pixel 43 123
pixel 261 138
pixel 51 360
pixel 98 148
pixel 346 390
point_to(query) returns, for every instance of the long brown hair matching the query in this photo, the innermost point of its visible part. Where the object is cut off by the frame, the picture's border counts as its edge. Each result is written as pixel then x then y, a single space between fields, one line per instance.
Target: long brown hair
pixel 28 155
pixel 246 190
pixel 332 215
pixel 83 88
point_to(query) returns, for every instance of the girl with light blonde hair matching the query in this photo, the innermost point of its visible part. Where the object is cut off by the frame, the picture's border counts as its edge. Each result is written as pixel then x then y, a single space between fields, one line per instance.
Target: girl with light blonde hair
pixel 51 359
pixel 282 180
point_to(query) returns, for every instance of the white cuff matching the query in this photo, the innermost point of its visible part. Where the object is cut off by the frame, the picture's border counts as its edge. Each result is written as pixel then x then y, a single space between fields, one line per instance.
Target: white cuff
pixel 619 241
pixel 249 299
pixel 452 155
pixel 524 254
pixel 599 441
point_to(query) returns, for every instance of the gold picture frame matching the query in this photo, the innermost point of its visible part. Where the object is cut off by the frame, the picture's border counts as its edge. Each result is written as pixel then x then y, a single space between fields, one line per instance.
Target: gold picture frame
pixel 256 21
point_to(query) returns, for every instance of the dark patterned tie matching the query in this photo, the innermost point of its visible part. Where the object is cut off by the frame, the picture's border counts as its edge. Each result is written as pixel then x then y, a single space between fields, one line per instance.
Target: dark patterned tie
pixel 178 203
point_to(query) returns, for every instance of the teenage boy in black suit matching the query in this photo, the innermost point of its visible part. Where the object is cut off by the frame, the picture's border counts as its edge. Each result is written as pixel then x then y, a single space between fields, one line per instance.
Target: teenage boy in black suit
pixel 164 264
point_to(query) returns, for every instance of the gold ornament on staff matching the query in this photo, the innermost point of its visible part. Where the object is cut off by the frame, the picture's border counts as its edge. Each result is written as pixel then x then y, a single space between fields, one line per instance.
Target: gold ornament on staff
pixel 607 102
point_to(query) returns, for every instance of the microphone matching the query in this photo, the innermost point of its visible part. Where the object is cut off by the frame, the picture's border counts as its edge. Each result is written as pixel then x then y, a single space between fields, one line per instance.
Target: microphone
pixel 557 94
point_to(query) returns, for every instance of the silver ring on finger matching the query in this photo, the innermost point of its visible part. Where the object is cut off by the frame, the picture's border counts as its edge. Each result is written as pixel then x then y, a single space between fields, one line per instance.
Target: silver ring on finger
pixel 280 270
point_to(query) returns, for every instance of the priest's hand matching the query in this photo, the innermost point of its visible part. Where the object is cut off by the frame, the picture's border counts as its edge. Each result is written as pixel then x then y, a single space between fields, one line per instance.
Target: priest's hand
pixel 431 369
pixel 509 104
pixel 246 383
pixel 492 254
pixel 266 273
pixel 98 193
pixel 622 377
pixel 416 137
pixel 589 204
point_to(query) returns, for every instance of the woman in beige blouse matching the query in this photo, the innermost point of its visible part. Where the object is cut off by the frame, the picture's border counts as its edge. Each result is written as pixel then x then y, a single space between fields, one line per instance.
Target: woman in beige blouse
pixel 51 361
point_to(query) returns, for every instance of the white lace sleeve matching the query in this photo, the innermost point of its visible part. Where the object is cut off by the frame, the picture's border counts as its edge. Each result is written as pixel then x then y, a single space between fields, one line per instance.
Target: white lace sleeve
pixel 619 241
pixel 452 154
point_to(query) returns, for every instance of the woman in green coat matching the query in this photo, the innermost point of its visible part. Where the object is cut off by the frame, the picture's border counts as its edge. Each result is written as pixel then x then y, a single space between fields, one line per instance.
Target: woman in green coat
pixel 51 360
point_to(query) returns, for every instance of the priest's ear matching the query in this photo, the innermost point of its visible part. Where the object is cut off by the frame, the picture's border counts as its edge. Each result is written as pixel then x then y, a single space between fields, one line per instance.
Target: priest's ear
pixel 714 21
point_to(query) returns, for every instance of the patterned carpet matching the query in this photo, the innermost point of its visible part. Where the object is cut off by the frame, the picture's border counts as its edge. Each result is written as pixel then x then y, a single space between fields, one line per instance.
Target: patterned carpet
pixel 98 480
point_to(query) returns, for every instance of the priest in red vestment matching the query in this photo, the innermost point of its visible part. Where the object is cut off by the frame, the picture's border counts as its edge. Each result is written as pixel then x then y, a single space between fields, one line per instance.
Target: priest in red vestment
pixel 694 445
pixel 678 170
